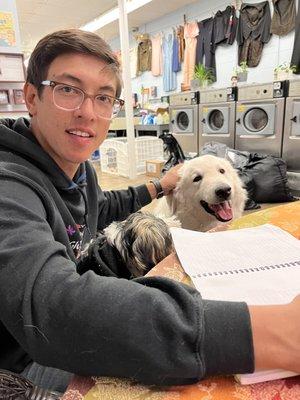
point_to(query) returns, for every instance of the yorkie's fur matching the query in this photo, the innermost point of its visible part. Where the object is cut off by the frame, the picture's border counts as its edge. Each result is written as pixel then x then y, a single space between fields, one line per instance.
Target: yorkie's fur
pixel 143 240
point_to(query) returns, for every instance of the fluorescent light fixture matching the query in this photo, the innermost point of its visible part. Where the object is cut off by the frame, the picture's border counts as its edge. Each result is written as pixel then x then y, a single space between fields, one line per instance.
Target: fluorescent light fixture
pixel 112 15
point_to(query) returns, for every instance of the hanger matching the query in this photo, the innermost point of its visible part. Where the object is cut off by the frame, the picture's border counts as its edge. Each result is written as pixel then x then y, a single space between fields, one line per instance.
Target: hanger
pixel 141 36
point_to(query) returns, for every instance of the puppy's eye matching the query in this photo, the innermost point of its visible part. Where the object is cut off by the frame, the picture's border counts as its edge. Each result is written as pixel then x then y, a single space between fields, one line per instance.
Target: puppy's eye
pixel 222 171
pixel 197 178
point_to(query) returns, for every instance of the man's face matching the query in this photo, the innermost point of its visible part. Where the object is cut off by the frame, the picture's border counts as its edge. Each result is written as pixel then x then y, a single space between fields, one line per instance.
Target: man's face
pixel 63 134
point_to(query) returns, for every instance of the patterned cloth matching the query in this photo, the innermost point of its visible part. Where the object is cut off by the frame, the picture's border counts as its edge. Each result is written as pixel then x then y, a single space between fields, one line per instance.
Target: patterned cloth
pixel 287 217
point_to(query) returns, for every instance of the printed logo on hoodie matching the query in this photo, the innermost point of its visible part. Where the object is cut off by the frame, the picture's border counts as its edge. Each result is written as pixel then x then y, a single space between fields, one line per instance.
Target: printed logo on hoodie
pixel 75 234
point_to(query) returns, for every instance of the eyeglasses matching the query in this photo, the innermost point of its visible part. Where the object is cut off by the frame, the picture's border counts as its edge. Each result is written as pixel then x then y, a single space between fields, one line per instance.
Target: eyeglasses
pixel 70 98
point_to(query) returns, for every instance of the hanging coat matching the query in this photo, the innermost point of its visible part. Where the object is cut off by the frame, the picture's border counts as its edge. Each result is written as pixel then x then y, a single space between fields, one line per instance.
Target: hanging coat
pixel 253 31
pixel 283 20
pixel 169 77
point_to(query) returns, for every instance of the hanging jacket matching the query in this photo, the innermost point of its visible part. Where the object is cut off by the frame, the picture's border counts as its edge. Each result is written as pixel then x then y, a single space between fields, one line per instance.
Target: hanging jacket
pixel 283 20
pixel 153 330
pixel 253 31
pixel 225 26
pixel 144 56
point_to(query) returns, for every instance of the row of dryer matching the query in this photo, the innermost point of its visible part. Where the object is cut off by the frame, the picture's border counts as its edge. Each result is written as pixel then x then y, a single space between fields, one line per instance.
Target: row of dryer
pixel 263 118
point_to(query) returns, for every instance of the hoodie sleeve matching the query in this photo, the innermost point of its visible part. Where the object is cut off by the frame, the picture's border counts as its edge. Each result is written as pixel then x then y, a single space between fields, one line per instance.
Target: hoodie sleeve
pixel 153 330
pixel 116 205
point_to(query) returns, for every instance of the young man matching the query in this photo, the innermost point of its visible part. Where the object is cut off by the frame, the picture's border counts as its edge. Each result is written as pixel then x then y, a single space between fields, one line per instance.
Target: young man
pixel 153 330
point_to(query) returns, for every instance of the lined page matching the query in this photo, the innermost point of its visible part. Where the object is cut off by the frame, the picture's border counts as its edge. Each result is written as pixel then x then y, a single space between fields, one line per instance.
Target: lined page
pixel 259 265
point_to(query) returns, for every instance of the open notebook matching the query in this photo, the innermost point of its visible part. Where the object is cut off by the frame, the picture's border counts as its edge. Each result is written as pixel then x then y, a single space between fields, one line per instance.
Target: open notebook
pixel 259 265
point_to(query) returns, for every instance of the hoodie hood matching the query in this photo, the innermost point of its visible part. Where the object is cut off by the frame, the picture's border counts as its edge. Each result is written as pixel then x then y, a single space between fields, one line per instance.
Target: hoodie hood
pixel 17 137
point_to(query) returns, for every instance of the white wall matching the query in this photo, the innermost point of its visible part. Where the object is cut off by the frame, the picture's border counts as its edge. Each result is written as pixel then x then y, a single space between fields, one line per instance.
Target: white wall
pixel 277 51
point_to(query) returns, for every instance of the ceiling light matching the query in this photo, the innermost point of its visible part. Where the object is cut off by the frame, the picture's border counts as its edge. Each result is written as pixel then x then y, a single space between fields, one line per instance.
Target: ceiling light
pixel 112 15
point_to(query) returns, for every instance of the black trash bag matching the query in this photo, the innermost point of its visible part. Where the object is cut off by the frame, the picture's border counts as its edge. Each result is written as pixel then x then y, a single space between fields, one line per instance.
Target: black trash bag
pixel 270 178
pixel 173 149
pixel 214 148
pixel 239 159
pixel 249 185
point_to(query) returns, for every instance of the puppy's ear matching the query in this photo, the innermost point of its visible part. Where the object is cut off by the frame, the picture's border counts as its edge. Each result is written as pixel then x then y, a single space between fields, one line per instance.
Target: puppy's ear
pixel 171 200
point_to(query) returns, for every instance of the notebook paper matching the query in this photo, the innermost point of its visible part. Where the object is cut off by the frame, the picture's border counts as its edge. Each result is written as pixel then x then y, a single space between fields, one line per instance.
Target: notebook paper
pixel 259 265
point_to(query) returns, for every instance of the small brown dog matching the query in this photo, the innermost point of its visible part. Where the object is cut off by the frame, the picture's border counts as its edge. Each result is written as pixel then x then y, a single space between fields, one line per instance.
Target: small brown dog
pixel 143 240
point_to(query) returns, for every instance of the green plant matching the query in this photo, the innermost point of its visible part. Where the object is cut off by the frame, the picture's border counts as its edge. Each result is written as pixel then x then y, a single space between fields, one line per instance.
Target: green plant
pixel 203 74
pixel 285 67
pixel 242 68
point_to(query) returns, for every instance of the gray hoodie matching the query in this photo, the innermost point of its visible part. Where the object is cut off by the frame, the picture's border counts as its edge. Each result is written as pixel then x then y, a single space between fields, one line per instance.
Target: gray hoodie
pixel 153 330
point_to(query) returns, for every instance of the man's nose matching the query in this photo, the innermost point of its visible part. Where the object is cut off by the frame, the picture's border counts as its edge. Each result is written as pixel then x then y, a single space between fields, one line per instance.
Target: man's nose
pixel 86 110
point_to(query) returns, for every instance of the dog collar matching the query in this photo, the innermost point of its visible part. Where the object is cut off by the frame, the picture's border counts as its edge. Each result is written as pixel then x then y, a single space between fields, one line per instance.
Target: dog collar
pixel 158 187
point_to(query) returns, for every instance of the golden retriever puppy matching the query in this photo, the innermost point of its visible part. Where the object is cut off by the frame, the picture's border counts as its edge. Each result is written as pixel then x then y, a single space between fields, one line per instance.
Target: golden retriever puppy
pixel 208 193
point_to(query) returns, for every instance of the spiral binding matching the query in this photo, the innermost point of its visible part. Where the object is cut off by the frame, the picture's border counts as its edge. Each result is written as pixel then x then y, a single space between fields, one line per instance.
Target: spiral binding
pixel 247 270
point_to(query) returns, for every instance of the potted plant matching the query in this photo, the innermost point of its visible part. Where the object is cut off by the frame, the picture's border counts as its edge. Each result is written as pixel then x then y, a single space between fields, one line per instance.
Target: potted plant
pixel 241 72
pixel 284 71
pixel 202 76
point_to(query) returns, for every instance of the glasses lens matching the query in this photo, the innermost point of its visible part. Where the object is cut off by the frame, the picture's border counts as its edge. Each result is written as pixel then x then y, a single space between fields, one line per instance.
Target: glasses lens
pixel 71 98
pixel 67 97
pixel 107 106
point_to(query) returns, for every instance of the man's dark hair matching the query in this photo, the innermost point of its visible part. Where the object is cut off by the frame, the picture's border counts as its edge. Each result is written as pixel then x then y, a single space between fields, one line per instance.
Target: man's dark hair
pixel 64 42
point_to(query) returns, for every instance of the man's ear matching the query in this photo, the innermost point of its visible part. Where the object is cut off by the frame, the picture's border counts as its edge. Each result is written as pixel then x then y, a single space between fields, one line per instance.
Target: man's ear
pixel 31 97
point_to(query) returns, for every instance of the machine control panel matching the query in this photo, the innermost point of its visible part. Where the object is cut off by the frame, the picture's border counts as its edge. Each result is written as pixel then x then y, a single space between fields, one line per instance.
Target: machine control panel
pixel 254 92
pixel 184 98
pixel 218 95
pixel 294 88
pixel 279 89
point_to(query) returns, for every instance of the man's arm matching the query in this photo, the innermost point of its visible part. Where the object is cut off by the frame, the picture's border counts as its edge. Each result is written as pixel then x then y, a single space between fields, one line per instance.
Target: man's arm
pixel 154 330
pixel 116 205
pixel 275 330
pixel 276 335
pixel 168 181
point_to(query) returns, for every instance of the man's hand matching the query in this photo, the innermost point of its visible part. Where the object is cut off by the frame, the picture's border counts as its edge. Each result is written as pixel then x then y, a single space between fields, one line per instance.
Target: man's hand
pixel 170 179
pixel 276 335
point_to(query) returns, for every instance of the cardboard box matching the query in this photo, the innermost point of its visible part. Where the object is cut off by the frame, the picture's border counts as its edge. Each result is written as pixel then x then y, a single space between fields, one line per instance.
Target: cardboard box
pixel 154 167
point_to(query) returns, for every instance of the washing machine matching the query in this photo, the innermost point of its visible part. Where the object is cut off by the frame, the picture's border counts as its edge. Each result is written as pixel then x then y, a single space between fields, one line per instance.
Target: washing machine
pixel 217 116
pixel 184 117
pixel 291 136
pixel 260 117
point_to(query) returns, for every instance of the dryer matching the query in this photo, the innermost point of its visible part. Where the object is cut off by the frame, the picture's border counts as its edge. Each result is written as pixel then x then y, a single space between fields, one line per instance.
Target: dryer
pixel 291 136
pixel 184 116
pixel 217 116
pixel 260 117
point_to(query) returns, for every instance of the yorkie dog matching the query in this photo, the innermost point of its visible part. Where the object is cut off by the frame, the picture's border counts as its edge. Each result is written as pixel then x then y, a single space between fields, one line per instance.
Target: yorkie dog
pixel 143 240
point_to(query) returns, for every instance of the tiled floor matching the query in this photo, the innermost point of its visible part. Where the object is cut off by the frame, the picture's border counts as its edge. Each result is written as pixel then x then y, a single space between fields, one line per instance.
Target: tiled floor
pixel 111 182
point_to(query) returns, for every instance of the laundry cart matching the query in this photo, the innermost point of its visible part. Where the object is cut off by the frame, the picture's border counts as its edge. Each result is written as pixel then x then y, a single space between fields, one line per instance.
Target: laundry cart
pixel 115 158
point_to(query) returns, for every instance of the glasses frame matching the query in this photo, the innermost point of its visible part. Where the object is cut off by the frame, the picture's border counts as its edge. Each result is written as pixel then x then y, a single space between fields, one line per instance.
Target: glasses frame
pixel 53 84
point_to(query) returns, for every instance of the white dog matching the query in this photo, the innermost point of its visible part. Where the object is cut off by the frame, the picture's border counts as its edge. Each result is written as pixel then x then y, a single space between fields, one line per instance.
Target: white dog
pixel 209 192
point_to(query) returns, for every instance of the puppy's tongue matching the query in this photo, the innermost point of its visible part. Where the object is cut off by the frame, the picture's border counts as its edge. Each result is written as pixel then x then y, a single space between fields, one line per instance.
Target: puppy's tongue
pixel 223 210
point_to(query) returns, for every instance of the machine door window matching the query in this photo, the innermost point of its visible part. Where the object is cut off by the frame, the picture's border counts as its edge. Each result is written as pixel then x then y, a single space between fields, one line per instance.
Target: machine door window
pixel 216 120
pixel 295 119
pixel 182 121
pixel 256 119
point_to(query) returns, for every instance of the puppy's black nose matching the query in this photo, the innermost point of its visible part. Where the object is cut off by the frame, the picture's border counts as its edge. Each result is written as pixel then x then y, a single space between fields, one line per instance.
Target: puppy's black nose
pixel 223 192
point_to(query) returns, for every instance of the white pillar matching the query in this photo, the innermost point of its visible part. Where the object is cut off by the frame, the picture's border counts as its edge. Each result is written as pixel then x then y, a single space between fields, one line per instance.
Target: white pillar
pixel 124 36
